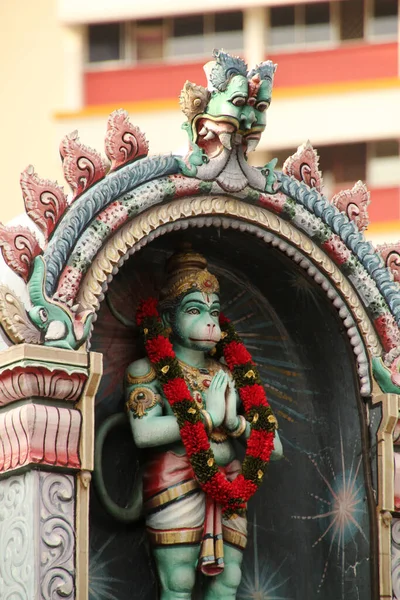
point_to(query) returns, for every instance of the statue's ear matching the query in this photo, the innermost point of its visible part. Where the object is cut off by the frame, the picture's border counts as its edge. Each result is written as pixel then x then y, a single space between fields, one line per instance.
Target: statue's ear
pixel 166 318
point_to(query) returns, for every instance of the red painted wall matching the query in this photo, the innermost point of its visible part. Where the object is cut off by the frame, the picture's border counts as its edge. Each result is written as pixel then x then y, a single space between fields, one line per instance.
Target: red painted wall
pixel 385 205
pixel 352 62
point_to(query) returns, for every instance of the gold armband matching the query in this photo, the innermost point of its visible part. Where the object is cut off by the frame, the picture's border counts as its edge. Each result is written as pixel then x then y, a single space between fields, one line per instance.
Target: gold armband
pixel 208 424
pixel 141 400
pixel 141 379
pixel 240 429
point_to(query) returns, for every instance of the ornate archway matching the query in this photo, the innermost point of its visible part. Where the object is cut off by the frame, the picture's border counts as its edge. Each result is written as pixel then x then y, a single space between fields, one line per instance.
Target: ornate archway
pixel 112 215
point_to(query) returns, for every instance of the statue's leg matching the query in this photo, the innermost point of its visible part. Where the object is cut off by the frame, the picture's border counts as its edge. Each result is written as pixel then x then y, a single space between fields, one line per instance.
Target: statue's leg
pixel 225 585
pixel 177 570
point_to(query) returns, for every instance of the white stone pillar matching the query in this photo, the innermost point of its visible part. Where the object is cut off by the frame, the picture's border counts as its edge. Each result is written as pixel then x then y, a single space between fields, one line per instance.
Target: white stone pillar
pixel 254 34
pixel 74 60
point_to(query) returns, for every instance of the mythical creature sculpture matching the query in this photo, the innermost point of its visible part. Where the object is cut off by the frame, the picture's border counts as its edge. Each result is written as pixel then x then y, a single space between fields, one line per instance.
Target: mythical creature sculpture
pixel 48 321
pixel 185 407
pixel 226 121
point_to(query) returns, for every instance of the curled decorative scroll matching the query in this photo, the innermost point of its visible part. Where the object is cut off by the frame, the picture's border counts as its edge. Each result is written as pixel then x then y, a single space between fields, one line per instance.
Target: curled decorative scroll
pixel 13 319
pixel 45 201
pixel 391 256
pixel 19 247
pixel 354 203
pixel 124 141
pixel 303 166
pixel 193 99
pixel 82 166
pixel 57 537
pixel 16 539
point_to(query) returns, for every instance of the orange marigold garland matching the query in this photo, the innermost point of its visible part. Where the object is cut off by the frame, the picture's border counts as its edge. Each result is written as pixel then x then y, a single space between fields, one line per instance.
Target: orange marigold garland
pixel 231 495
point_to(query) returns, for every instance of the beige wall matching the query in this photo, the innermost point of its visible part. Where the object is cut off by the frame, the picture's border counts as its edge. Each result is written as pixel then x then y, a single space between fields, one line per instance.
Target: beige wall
pixel 91 11
pixel 31 88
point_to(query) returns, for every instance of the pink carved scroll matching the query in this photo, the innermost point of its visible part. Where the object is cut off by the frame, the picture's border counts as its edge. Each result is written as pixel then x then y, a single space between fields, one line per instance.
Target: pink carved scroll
pixel 19 247
pixel 45 201
pixel 354 203
pixel 391 256
pixel 82 166
pixel 303 166
pixel 124 141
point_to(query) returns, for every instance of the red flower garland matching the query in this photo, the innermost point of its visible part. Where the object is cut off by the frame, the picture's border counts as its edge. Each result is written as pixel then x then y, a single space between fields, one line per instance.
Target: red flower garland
pixel 232 495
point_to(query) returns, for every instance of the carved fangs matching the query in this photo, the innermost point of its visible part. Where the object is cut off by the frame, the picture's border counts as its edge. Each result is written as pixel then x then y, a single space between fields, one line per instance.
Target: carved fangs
pixel 252 144
pixel 226 140
pixel 215 132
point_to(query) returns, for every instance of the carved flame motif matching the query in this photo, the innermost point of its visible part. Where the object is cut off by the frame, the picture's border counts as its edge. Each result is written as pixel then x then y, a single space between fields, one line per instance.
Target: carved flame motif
pixel 303 166
pixel 391 256
pixel 82 166
pixel 354 203
pixel 124 141
pixel 45 201
pixel 19 247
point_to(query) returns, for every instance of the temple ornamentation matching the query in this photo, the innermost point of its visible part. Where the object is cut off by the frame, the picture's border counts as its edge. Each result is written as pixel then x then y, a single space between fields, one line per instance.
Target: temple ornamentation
pixel 280 310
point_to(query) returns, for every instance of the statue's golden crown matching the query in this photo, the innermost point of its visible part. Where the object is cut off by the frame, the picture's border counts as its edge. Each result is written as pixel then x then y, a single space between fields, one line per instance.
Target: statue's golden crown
pixel 187 271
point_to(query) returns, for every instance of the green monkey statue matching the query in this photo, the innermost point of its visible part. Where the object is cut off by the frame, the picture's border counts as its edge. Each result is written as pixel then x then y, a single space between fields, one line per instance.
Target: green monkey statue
pixel 186 528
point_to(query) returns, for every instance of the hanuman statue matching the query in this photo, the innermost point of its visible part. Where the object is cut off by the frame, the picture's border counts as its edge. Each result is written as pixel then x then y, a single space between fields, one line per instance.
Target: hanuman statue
pixel 186 407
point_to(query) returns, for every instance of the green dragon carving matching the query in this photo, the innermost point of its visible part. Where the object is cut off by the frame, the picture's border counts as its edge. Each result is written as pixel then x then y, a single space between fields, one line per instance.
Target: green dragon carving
pixel 60 326
pixel 48 322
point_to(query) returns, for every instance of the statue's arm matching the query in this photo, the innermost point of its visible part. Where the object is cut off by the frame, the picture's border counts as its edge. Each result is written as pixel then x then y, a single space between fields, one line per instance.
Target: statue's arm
pixel 144 402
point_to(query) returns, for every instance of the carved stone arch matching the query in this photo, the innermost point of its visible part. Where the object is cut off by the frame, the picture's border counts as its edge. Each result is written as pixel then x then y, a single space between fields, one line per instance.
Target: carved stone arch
pixel 229 215
pixel 220 211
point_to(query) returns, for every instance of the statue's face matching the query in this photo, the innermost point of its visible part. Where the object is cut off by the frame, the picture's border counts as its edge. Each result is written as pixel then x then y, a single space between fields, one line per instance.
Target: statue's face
pixel 233 117
pixel 196 325
pixel 234 103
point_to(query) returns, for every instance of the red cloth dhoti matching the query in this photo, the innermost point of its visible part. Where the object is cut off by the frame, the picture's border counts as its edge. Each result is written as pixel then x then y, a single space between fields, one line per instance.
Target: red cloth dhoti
pixel 178 511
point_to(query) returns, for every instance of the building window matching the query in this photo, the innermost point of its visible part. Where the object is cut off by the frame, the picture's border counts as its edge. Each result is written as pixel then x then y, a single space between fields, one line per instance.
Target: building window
pixel 187 37
pixel 148 40
pixel 351 20
pixel 383 20
pixel 301 24
pixel 228 29
pixel 192 36
pixel 317 26
pixel 283 26
pixel 342 165
pixel 105 42
pixel 383 164
pixel 197 35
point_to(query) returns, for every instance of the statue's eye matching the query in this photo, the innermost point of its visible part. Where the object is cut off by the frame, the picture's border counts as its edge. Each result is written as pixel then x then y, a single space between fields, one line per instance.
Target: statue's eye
pixel 239 101
pixel 262 106
pixel 193 311
pixel 215 313
pixel 43 315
